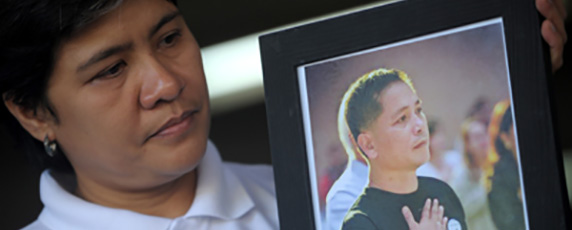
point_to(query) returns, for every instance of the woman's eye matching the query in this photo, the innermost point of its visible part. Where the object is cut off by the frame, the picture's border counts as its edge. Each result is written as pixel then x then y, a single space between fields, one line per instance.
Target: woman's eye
pixel 419 110
pixel 402 119
pixel 112 71
pixel 170 39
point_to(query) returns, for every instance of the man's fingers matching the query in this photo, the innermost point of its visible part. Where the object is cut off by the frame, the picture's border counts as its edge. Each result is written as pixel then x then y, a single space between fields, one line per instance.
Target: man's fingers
pixel 426 209
pixel 440 213
pixel 444 223
pixel 435 209
pixel 556 43
pixel 409 217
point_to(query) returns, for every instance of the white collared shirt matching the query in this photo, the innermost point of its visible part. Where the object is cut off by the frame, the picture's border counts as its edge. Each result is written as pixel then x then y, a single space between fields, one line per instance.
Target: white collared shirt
pixel 228 196
pixel 344 193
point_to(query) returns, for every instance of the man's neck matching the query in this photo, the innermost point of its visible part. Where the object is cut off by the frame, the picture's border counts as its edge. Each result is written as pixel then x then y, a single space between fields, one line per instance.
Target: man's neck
pixel 400 182
pixel 169 200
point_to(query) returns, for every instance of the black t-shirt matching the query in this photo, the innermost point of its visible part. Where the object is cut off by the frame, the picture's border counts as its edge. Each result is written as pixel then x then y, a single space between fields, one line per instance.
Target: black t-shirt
pixel 379 209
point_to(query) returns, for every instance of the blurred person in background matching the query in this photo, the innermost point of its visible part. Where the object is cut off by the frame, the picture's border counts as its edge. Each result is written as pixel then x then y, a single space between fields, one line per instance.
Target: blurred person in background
pixel 350 184
pixel 468 182
pixel 335 167
pixel 505 195
pixel 481 110
pixel 442 163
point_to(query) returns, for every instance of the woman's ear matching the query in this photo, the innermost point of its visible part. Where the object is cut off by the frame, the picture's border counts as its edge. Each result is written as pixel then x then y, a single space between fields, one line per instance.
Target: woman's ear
pixel 35 122
pixel 366 144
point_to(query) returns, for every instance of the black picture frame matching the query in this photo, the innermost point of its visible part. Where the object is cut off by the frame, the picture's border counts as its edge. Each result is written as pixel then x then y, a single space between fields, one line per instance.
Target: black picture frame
pixel 528 63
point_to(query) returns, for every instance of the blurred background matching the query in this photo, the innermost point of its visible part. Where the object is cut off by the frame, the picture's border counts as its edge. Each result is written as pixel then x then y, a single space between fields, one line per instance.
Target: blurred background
pixel 227 31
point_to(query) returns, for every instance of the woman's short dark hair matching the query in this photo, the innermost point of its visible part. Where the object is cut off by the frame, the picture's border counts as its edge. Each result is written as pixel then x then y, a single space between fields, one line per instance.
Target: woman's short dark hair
pixel 31 31
pixel 361 100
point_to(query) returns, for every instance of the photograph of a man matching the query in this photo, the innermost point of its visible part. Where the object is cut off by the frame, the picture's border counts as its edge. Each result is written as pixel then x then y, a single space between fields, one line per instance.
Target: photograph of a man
pixel 384 115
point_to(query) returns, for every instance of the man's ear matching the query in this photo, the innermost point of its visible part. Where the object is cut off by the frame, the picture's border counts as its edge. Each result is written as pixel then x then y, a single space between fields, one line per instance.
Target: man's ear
pixel 365 142
pixel 36 123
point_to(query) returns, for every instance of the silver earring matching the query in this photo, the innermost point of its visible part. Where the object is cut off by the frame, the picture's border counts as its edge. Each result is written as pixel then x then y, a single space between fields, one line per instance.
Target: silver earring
pixel 49 146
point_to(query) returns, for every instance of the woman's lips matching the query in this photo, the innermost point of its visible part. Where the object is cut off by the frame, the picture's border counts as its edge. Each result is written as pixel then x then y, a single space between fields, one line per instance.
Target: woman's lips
pixel 176 126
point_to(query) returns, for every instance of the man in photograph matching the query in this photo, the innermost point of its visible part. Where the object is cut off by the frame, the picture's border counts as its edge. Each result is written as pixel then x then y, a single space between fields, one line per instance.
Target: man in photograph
pixel 384 115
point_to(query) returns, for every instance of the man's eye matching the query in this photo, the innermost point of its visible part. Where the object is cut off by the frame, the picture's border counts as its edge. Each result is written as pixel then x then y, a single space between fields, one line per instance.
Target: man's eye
pixel 112 71
pixel 170 39
pixel 402 118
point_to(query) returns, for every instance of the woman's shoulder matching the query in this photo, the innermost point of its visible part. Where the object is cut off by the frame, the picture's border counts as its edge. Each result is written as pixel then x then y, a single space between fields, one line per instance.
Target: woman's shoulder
pixel 36 225
pixel 258 181
pixel 260 175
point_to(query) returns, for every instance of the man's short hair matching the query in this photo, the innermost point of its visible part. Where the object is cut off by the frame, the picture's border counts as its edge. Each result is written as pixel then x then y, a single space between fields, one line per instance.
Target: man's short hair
pixel 360 105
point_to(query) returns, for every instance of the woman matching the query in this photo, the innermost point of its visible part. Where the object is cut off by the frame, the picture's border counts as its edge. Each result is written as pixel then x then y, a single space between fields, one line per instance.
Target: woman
pixel 114 94
pixel 442 163
pixel 468 183
pixel 505 195
pixel 111 95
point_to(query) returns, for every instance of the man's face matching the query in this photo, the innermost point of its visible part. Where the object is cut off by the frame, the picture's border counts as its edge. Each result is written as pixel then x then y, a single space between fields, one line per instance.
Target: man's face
pixel 399 135
pixel 131 97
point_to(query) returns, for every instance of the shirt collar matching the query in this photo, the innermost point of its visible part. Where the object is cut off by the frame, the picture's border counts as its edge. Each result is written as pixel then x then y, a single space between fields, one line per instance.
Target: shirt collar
pixel 62 210
pixel 219 194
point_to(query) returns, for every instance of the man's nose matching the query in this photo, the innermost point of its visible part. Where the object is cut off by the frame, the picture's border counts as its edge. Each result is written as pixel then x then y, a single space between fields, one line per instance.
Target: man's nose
pixel 419 124
pixel 159 84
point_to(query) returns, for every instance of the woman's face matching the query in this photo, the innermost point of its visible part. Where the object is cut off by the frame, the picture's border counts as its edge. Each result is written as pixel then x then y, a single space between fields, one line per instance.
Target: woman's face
pixel 131 97
pixel 478 140
pixel 399 134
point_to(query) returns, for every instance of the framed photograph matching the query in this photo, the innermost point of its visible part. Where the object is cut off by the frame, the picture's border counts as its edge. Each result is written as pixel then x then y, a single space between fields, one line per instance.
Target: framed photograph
pixel 415 112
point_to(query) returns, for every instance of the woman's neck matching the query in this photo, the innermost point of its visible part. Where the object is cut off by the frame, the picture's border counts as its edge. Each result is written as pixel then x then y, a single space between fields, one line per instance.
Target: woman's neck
pixel 476 173
pixel 169 200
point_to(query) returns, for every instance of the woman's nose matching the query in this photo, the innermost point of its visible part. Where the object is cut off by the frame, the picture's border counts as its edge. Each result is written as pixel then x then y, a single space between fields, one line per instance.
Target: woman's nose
pixel 159 84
